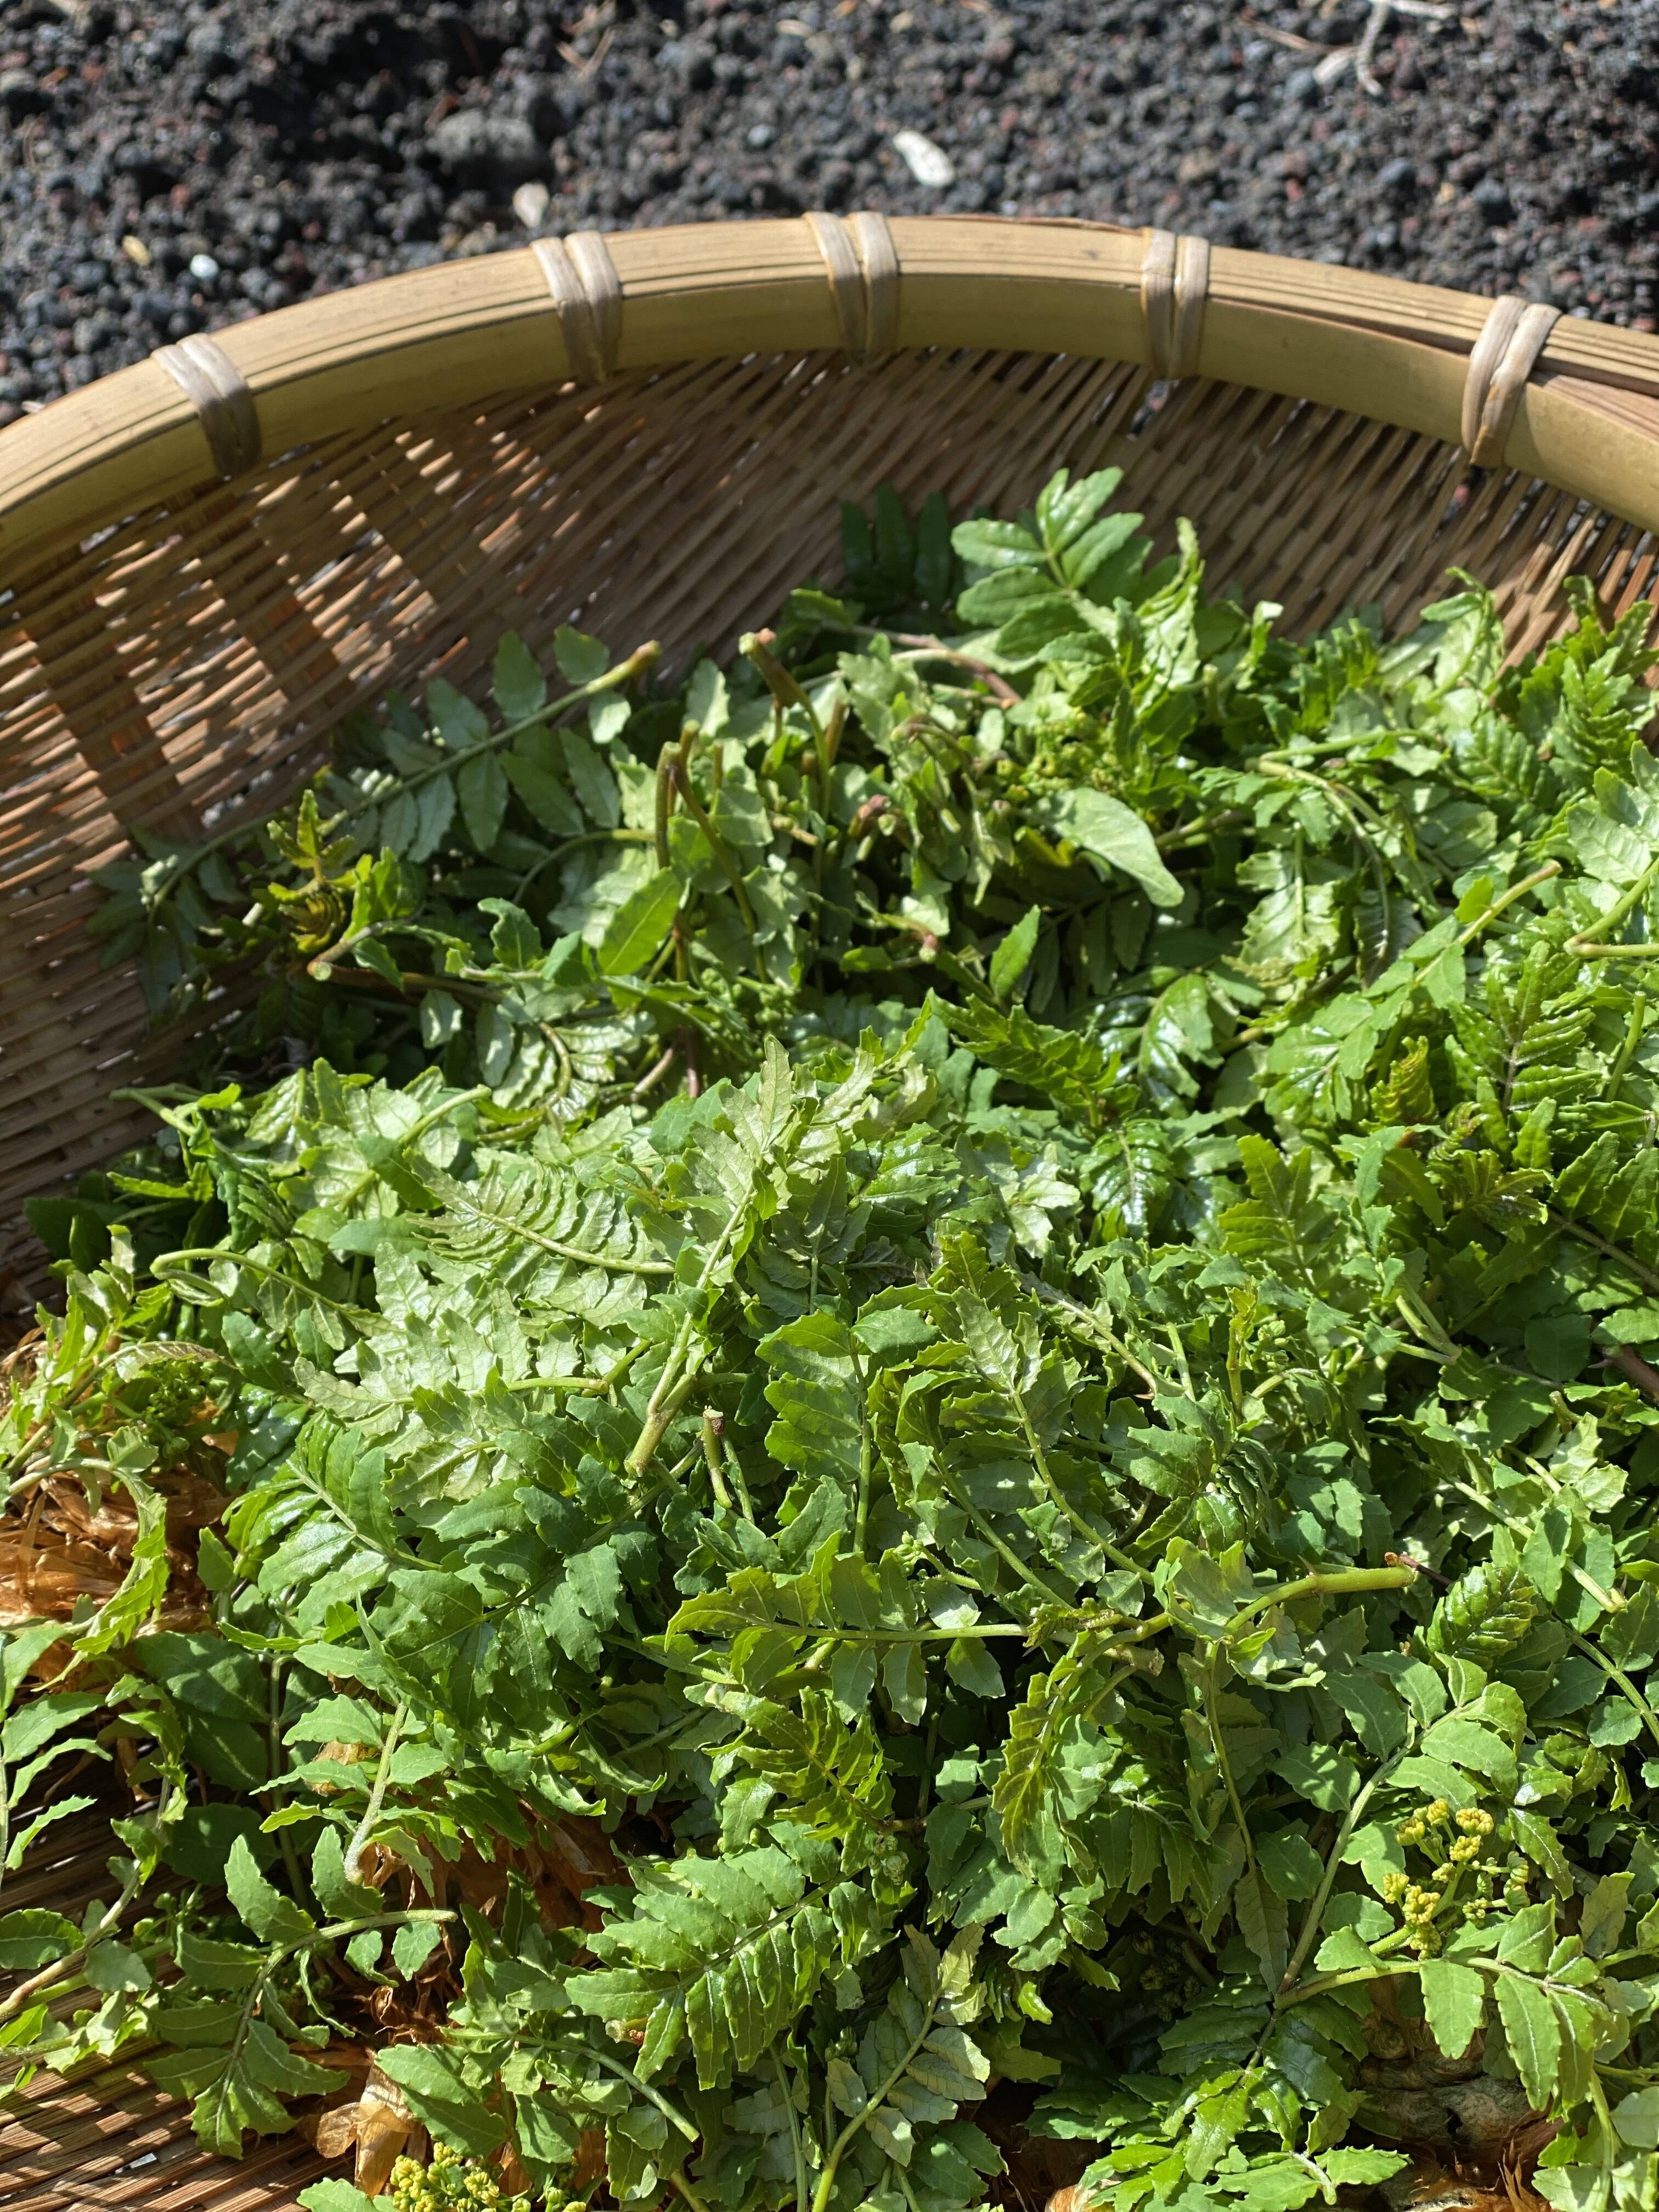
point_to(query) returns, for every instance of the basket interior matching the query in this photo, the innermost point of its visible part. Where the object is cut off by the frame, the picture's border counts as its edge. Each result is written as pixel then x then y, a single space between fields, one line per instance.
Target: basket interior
pixel 190 663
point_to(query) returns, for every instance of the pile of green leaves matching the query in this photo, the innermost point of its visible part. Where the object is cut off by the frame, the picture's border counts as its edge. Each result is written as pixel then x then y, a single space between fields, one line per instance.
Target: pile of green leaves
pixel 986 1282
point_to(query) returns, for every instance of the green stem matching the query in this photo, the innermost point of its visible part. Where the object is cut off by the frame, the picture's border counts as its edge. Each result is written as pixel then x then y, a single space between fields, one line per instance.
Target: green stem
pixel 1505 899
pixel 734 1467
pixel 672 1388
pixel 159 1267
pixel 1004 1551
pixel 786 2090
pixel 711 1453
pixel 1321 1896
pixel 61 1969
pixel 1422 1318
pixel 838 2149
pixel 1336 1584
pixel 1090 1324
pixel 727 859
pixel 1623 1682
pixel 643 658
pixel 1627 1050
pixel 672 2113
pixel 1610 2146
pixel 866 1463
pixel 979 1629
pixel 1218 1744
pixel 1633 1268
pixel 354 1848
pixel 583 1386
pixel 1326 2187
pixel 278 1761
pixel 1346 805
pixel 1039 1460
pixel 1349 1977
pixel 573 844
pixel 1588 940
pixel 676 2180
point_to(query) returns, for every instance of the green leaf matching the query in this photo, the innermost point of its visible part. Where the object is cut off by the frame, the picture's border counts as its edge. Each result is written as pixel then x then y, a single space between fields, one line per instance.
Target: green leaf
pixel 273 1917
pixel 581 659
pixel 1534 2034
pixel 482 788
pixel 819 1431
pixel 636 930
pixel 1109 830
pixel 334 2196
pixel 1454 2003
pixel 413 1945
pixel 1637 2120
pixel 995 545
pixel 1013 955
pixel 1601 1923
pixel 35 1937
pixel 435 2084
pixel 543 793
pixel 521 688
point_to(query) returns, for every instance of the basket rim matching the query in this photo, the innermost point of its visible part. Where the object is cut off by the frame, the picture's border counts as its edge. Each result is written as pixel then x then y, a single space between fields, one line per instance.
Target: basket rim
pixel 464 331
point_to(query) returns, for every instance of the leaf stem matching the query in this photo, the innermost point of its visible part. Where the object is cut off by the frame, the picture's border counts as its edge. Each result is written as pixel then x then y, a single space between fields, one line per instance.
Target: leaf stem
pixel 1091 1325
pixel 643 658
pixel 837 2149
pixel 1632 1268
pixel 1585 943
pixel 61 1969
pixel 1321 1896
pixel 1609 1601
pixel 1218 1745
pixel 1323 1582
pixel 1632 1039
pixel 676 2180
pixel 803 2187
pixel 354 1851
pixel 1508 898
pixel 1004 1551
pixel 1623 1682
pixel 670 2112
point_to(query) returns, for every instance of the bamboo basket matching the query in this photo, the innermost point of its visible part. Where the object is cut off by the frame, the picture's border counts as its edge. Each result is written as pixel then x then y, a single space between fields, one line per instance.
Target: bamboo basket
pixel 206 560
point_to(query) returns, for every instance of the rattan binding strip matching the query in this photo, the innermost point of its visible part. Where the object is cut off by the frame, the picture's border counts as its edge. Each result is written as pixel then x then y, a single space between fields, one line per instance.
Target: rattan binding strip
pixel 861 263
pixel 1175 285
pixel 1503 357
pixel 224 405
pixel 586 294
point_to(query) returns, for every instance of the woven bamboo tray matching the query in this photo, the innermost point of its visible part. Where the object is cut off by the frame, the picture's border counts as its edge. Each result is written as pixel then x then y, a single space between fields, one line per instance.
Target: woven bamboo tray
pixel 206 560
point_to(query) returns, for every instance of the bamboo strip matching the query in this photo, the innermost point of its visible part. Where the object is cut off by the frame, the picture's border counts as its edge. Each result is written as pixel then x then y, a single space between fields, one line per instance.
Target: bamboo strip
pixel 448 335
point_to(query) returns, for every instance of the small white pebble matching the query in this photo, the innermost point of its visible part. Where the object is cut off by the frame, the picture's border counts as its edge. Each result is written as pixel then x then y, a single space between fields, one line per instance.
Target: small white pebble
pixel 204 268
pixel 928 163
pixel 530 204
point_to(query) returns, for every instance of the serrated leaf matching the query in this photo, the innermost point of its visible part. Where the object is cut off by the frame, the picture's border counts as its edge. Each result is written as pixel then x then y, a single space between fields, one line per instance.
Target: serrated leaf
pixel 272 1917
pixel 1533 2035
pixel 482 788
pixel 1454 2003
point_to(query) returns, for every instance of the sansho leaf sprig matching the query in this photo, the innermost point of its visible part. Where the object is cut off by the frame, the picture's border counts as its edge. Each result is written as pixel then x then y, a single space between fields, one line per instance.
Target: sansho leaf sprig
pixel 884 1427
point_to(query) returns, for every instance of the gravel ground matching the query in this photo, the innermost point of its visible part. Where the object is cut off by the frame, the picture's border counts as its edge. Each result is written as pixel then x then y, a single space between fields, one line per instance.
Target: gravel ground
pixel 171 167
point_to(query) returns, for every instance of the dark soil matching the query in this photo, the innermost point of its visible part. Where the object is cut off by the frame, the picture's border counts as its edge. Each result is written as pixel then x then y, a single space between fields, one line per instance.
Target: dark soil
pixel 169 166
